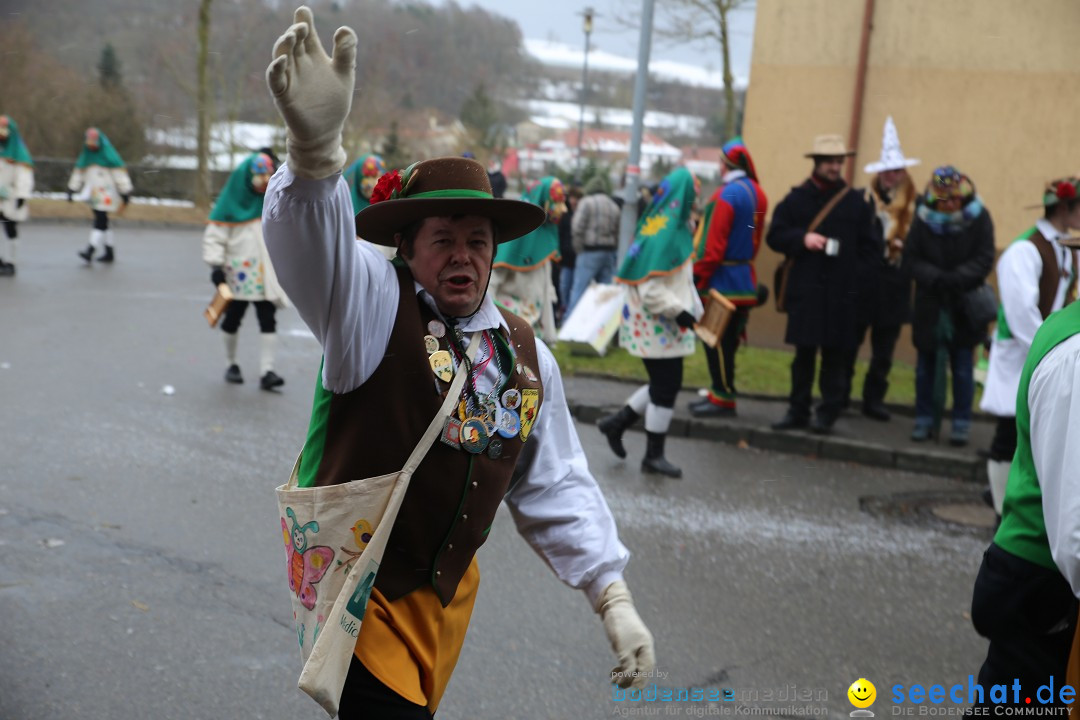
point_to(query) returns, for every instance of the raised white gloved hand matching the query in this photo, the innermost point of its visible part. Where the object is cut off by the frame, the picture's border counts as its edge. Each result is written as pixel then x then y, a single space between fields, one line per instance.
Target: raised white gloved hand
pixel 313 92
pixel 630 639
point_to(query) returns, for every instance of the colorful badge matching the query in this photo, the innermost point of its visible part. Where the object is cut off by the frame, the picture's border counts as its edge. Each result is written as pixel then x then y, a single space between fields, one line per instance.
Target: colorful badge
pixel 474 435
pixel 507 423
pixel 530 404
pixel 511 399
pixel 431 344
pixel 442 365
pixel 436 328
pixel 451 433
pixel 495 448
pixel 528 373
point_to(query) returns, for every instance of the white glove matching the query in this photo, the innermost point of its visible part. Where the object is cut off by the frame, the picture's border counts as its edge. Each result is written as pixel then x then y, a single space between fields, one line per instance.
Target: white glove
pixel 313 92
pixel 630 639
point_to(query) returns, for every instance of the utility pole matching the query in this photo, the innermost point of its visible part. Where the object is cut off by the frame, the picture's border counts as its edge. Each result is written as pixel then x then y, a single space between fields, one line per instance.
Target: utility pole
pixel 202 102
pixel 628 222
pixel 588 16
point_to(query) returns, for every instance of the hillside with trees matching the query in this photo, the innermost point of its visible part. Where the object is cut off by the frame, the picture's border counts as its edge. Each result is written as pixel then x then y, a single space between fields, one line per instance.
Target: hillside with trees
pixel 411 56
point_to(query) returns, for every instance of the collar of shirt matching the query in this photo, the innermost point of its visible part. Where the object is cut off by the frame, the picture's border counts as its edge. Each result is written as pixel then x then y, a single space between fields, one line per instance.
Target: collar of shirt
pixel 486 318
pixel 1049 231
pixel 732 175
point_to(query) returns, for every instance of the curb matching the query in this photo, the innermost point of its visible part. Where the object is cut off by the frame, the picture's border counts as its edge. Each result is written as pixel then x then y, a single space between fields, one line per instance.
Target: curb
pixel 118 223
pixel 733 432
pixel 907 411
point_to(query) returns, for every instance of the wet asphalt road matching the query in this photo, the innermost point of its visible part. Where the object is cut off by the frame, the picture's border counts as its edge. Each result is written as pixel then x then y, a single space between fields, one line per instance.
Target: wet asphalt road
pixel 141 568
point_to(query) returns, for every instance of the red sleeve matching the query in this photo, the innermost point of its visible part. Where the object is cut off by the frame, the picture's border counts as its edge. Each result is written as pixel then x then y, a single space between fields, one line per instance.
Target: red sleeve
pixel 716 239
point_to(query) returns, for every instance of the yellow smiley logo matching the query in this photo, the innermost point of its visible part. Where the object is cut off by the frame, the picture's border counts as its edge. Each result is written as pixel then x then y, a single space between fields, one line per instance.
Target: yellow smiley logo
pixel 862 693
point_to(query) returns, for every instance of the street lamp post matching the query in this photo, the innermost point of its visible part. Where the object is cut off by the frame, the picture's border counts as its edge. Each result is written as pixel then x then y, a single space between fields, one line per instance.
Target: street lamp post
pixel 588 18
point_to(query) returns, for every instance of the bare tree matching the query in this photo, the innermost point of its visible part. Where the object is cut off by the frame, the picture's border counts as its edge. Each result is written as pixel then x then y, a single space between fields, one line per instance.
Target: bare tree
pixel 202 178
pixel 683 21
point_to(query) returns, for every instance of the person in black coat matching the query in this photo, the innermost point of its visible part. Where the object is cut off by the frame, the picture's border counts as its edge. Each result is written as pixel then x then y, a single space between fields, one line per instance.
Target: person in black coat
pixel 950 251
pixel 831 266
pixel 886 306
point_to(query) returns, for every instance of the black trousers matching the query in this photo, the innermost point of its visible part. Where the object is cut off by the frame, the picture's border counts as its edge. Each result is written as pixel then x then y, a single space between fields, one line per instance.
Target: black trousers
pixel 882 344
pixel 10 228
pixel 831 381
pixel 264 310
pixel 365 698
pixel 1028 613
pixel 101 220
pixel 722 362
pixel 1003 446
pixel 665 380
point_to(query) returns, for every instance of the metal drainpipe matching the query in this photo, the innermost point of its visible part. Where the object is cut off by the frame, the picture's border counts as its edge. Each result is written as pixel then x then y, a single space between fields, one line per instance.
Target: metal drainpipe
pixel 860 88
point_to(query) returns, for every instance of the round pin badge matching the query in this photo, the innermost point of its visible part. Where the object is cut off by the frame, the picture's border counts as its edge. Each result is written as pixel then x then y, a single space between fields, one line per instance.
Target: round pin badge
pixel 494 449
pixel 511 399
pixel 431 344
pixel 436 328
pixel 507 423
pixel 474 435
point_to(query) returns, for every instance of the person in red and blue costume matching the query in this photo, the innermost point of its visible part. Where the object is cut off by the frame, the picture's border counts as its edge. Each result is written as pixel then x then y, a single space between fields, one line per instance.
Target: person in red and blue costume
pixel 726 243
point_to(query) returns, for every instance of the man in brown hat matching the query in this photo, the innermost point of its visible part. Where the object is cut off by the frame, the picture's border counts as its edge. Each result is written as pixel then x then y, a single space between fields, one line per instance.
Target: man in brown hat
pixel 392 335
pixel 836 251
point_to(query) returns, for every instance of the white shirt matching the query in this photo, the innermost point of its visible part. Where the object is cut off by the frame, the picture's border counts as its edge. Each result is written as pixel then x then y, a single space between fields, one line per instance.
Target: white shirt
pixel 1018 272
pixel 1054 405
pixel 347 294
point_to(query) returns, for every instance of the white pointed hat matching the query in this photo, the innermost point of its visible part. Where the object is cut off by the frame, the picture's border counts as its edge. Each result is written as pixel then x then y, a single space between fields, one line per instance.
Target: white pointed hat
pixel 892 158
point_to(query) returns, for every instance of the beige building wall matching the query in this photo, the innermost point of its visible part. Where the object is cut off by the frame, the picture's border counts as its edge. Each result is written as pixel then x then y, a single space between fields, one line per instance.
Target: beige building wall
pixel 990 86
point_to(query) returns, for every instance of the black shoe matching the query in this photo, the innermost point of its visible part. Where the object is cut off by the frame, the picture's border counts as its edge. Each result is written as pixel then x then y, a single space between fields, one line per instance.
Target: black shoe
pixel 107 256
pixel 87 254
pixel 821 425
pixel 271 380
pixel 876 411
pixel 232 375
pixel 6 269
pixel 654 461
pixel 614 425
pixel 791 421
pixel 707 408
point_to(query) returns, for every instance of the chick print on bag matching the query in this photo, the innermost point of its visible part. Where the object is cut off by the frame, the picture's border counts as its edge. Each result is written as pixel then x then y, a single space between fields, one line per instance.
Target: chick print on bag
pixel 361 531
pixel 306 566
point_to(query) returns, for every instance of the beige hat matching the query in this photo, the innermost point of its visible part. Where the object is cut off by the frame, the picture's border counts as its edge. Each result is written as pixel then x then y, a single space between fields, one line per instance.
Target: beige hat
pixel 829 146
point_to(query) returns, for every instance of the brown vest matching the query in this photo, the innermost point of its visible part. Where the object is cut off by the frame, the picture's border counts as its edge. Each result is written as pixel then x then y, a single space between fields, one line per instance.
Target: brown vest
pixel 452 499
pixel 1052 272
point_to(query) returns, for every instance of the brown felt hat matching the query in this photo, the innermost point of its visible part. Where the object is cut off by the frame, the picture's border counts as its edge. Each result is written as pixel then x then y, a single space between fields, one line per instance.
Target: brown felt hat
pixel 443 186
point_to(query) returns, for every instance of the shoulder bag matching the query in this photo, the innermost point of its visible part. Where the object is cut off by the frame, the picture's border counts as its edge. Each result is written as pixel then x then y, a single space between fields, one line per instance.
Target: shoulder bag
pixel 783 270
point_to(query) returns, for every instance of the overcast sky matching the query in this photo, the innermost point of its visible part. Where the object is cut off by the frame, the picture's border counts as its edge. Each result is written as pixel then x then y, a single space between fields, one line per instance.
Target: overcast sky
pixel 561 20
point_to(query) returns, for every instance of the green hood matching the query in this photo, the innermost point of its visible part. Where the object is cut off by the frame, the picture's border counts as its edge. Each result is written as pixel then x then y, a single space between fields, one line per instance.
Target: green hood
pixel 104 156
pixel 14 149
pixel 542 244
pixel 662 243
pixel 370 166
pixel 238 201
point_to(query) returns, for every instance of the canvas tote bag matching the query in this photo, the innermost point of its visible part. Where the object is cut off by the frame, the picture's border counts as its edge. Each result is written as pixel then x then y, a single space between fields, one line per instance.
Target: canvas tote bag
pixel 335 537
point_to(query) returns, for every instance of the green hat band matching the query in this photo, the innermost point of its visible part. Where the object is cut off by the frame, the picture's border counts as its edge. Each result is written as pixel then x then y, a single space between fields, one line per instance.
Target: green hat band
pixel 450 194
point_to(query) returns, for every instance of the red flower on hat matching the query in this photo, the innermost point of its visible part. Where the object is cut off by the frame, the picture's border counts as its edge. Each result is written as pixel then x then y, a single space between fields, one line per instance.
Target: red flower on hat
pixel 388 187
pixel 1065 191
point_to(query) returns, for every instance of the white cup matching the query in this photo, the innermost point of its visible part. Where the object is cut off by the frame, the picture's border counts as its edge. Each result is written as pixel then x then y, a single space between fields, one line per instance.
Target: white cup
pixel 832 247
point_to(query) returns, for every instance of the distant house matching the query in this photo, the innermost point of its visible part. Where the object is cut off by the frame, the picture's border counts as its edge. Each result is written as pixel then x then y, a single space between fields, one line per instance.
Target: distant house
pixel 704 162
pixel 606 147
